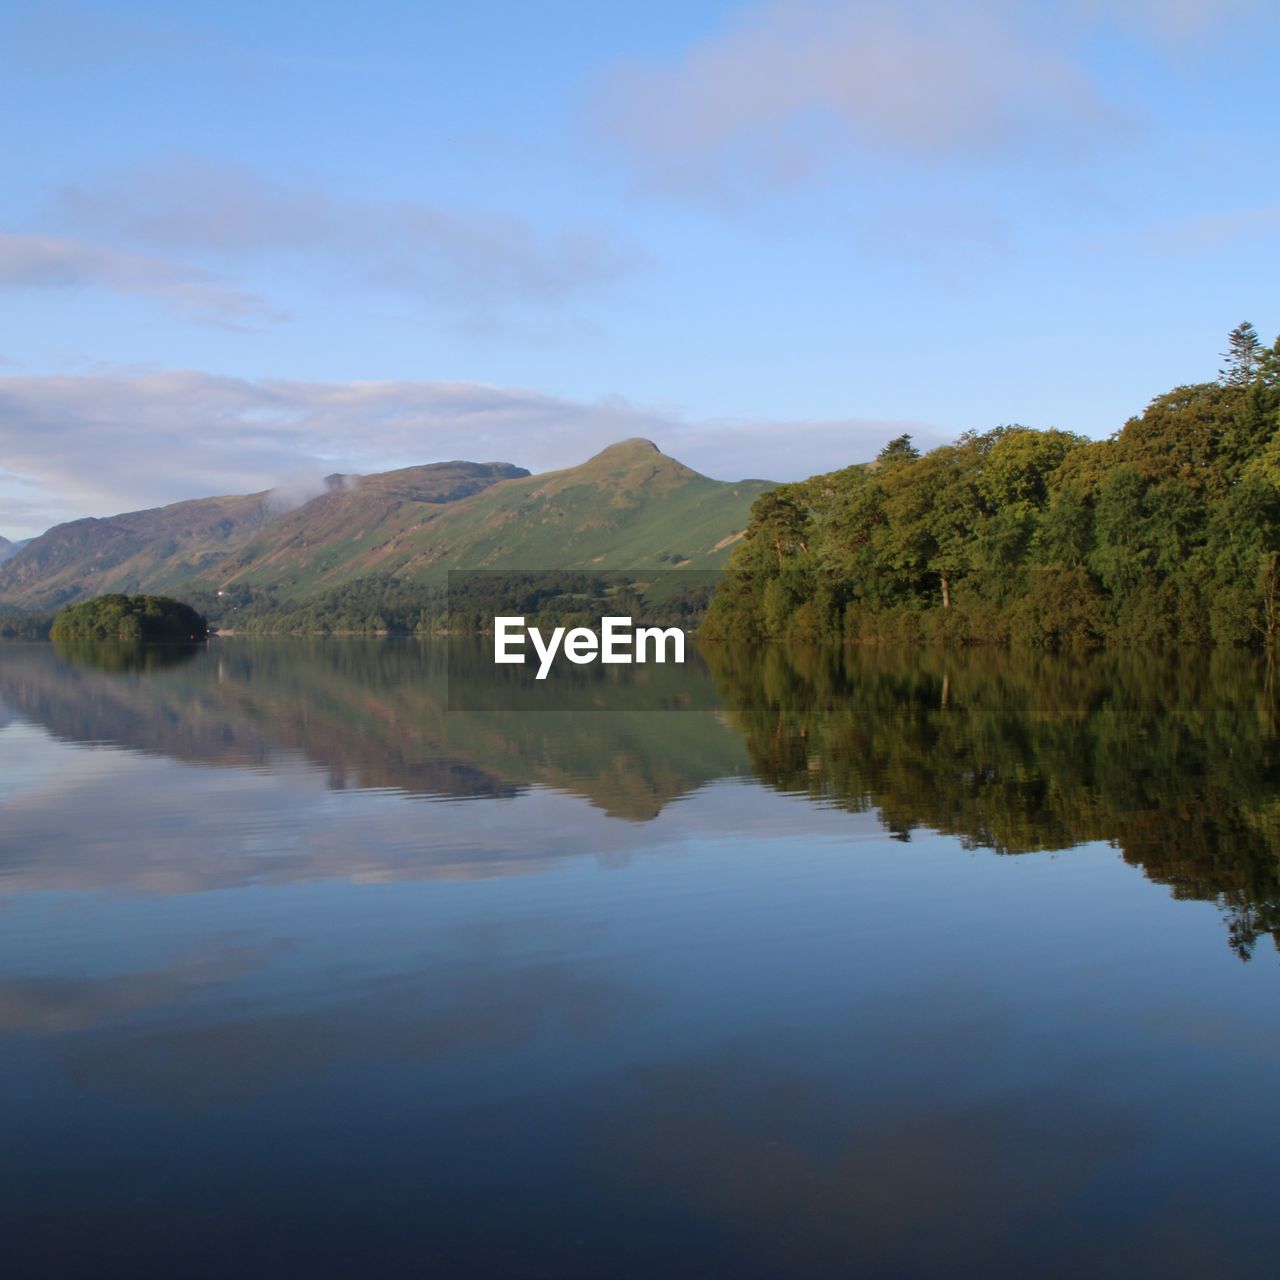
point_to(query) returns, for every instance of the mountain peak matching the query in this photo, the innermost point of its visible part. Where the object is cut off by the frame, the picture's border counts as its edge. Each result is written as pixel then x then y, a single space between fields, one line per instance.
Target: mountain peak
pixel 637 447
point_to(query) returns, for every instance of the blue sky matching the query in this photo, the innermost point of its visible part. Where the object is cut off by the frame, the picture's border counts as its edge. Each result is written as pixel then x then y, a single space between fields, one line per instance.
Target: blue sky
pixel 243 245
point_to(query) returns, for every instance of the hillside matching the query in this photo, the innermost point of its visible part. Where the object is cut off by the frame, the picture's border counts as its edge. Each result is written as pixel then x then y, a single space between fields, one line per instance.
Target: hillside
pixel 630 506
pixel 154 550
pixel 10 549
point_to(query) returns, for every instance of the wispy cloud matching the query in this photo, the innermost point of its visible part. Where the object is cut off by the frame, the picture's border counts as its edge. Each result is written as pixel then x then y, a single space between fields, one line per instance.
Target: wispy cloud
pixel 66 263
pixel 792 87
pixel 74 38
pixel 1171 23
pixel 100 444
pixel 1211 231
pixel 477 264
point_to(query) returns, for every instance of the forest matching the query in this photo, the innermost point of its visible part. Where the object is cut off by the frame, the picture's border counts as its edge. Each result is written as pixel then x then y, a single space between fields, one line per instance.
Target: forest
pixel 382 604
pixel 1168 532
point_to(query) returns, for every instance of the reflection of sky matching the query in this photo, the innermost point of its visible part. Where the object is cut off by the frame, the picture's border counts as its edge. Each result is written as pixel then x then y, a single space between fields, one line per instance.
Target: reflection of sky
pixel 753 1034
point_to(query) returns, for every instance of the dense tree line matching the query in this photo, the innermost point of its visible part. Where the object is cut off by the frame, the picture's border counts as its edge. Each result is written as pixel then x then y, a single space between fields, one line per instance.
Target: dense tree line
pixel 384 605
pixel 1168 532
pixel 130 618
pixel 376 605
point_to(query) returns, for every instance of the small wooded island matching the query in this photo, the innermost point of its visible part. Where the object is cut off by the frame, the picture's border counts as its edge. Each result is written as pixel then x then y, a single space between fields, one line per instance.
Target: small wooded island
pixel 133 618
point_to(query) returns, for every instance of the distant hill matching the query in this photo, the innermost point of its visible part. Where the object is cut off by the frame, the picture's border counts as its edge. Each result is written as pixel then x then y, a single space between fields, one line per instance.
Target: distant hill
pixel 10 549
pixel 630 506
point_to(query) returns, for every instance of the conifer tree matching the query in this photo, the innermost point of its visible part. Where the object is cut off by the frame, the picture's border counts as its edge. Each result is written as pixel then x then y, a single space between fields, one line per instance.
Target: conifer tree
pixel 1243 354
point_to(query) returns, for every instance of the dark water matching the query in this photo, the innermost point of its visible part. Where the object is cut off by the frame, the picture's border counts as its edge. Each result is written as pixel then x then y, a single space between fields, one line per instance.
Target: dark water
pixel 906 966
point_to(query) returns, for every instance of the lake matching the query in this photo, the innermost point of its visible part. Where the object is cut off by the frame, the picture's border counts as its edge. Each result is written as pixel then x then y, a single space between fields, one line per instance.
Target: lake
pixel 891 965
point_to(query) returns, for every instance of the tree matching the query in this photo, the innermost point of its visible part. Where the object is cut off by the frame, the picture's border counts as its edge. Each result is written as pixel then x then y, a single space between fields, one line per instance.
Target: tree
pixel 780 516
pixel 899 449
pixel 1269 367
pixel 1243 355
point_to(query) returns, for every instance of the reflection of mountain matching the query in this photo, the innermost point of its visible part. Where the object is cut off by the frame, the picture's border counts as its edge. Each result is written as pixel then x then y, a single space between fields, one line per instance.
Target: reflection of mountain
pixel 373 715
pixel 1176 760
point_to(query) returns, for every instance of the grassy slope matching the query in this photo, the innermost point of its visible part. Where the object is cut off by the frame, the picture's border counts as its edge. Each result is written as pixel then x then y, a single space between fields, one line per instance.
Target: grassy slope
pixel 625 508
pixel 141 550
pixel 163 549
pixel 349 532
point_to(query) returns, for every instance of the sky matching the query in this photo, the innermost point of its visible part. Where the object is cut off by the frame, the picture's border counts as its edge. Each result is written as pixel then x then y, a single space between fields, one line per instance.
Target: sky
pixel 245 245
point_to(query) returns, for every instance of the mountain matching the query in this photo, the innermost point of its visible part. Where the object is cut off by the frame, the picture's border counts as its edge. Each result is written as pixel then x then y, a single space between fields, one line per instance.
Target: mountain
pixel 153 550
pixel 630 506
pixel 10 549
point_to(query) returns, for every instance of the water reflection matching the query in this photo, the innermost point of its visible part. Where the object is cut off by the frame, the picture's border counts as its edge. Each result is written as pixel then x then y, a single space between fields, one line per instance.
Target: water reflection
pixel 372 714
pixel 1172 759
pixel 281 993
pixel 117 657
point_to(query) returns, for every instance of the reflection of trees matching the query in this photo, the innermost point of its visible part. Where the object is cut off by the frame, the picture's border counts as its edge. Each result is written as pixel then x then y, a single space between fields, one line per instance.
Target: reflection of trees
pixel 1173 758
pixel 119 657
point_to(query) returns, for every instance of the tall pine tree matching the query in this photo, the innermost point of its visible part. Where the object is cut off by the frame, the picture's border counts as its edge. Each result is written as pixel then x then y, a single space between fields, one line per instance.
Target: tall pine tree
pixel 1243 354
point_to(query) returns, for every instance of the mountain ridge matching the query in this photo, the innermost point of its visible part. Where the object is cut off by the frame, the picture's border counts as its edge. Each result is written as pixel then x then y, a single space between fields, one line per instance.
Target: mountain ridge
pixel 628 506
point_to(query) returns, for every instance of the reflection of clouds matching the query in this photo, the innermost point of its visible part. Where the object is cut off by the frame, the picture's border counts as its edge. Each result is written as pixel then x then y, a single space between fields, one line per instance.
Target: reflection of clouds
pixel 101 819
pixel 1212 1029
pixel 928 1176
pixel 490 993
pixel 48 1004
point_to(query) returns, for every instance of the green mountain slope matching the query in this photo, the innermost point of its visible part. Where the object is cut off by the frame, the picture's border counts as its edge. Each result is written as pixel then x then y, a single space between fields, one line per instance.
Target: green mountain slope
pixel 168 548
pixel 357 526
pixel 630 506
pixel 154 550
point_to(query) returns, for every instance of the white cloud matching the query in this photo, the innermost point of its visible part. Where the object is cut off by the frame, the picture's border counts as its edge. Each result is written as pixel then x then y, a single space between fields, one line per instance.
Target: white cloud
pixel 793 86
pixel 55 262
pixel 97 444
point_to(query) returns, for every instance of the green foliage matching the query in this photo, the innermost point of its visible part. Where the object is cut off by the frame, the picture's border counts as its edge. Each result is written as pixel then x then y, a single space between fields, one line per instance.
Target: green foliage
pixel 383 605
pixel 137 619
pixel 1168 533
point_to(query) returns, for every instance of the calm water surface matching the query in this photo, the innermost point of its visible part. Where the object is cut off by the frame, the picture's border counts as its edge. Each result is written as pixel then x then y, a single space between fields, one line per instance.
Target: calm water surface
pixel 902 966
